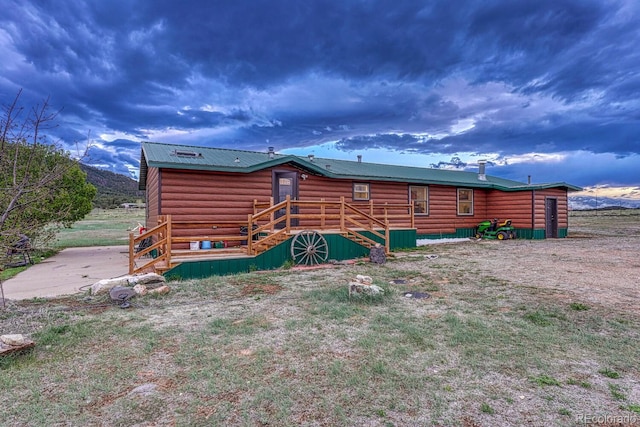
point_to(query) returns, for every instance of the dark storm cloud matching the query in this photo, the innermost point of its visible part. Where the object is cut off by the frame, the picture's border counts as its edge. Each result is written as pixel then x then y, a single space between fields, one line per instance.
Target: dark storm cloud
pixel 496 76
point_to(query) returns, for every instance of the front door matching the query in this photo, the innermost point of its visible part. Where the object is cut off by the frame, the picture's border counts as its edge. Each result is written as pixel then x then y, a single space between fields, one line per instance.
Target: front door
pixel 285 184
pixel 551 218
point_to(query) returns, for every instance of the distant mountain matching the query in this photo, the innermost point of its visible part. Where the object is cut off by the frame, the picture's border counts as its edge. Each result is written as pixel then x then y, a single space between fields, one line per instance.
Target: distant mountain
pixel 113 188
pixel 588 202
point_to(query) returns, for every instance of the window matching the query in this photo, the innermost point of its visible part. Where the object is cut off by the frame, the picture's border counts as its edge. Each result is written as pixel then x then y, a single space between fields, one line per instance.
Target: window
pixel 361 191
pixel 465 201
pixel 419 196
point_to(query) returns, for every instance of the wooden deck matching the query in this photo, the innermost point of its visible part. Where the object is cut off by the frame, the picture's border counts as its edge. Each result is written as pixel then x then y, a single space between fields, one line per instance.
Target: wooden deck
pixel 264 230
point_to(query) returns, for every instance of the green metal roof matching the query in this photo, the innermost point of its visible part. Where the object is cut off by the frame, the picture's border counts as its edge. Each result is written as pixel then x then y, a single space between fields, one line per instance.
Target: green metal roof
pixel 226 160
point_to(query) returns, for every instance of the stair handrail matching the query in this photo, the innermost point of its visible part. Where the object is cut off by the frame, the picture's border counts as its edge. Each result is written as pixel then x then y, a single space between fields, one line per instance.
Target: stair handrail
pixel 372 220
pixel 162 246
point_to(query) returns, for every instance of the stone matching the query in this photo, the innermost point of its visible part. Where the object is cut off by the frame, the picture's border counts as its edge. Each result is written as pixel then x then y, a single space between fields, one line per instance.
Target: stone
pixel 377 254
pixel 367 280
pixel 105 285
pixel 13 339
pixel 140 289
pixel 359 289
pixel 161 290
pixel 144 390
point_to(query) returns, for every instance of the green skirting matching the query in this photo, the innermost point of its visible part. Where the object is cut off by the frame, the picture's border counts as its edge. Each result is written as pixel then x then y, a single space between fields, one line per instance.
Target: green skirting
pixel 340 248
pixel 521 233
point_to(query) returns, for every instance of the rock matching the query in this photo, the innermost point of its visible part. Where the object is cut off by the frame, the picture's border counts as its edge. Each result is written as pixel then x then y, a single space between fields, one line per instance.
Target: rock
pixel 13 339
pixel 377 254
pixel 144 390
pixel 367 280
pixel 161 290
pixel 145 279
pixel 140 289
pixel 105 285
pixel 358 289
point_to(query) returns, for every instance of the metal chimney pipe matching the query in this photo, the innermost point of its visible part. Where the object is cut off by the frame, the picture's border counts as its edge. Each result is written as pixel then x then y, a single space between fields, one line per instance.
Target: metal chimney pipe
pixel 270 152
pixel 482 164
pixel 359 158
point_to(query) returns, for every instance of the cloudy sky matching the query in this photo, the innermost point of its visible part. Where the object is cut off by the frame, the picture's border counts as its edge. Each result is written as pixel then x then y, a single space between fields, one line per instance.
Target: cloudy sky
pixel 546 88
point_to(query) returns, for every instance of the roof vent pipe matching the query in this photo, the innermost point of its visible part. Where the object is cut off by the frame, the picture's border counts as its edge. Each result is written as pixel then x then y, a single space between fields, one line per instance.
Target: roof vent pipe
pixel 271 152
pixel 529 179
pixel 359 158
pixel 328 166
pixel 482 164
pixel 311 157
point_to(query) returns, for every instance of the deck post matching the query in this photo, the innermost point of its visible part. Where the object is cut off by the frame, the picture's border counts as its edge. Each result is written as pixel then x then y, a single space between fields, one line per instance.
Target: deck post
pixel 342 228
pixel 387 244
pixel 131 254
pixel 249 235
pixel 288 213
pixel 271 215
pixel 322 214
pixel 169 237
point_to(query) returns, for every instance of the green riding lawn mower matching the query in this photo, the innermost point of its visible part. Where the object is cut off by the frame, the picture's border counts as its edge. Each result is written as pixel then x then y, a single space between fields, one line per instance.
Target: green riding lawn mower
pixel 492 230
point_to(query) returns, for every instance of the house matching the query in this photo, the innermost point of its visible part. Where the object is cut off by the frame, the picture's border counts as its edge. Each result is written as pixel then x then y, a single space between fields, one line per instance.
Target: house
pixel 211 194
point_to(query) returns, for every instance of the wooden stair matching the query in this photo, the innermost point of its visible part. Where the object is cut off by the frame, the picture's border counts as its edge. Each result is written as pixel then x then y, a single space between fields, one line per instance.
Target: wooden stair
pixel 367 243
pixel 261 246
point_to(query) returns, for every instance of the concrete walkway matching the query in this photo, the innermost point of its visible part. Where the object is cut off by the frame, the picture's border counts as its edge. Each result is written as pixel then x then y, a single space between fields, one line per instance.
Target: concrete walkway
pixel 68 271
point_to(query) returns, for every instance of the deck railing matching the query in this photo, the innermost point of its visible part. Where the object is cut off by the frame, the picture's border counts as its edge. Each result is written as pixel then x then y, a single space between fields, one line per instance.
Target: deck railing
pixel 157 251
pixel 270 224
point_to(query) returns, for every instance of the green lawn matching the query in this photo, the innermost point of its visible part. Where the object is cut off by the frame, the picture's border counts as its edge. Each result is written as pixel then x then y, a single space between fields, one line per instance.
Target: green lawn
pixel 102 227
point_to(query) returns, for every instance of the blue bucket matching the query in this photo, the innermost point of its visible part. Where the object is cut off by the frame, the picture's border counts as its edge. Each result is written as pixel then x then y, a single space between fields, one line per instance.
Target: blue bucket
pixel 206 244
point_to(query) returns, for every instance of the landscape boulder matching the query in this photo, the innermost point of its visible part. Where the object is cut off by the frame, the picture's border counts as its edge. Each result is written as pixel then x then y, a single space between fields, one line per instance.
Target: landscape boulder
pixel 105 285
pixel 363 285
pixel 13 339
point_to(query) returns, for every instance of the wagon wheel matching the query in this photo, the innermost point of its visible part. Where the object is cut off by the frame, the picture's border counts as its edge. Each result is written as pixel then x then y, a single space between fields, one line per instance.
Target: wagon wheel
pixel 309 248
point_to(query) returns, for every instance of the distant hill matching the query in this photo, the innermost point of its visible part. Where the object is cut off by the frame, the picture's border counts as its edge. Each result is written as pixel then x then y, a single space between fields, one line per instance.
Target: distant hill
pixel 113 188
pixel 588 202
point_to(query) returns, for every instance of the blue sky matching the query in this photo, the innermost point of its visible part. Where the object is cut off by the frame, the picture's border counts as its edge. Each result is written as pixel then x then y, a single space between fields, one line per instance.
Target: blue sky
pixel 547 88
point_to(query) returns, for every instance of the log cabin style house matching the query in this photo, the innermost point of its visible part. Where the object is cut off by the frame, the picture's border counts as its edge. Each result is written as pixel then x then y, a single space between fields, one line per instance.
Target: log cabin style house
pixel 208 206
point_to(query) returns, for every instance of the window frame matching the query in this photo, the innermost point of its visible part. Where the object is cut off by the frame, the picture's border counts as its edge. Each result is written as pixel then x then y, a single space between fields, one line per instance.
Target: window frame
pixel 463 202
pixel 425 200
pixel 354 192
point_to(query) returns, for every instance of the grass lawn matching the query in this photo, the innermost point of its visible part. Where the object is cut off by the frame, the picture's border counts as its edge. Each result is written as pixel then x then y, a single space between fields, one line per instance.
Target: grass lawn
pixel 290 348
pixel 102 227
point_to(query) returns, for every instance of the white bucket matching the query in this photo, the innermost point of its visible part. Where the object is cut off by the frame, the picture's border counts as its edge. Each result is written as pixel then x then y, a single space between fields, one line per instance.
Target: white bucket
pixel 194 246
